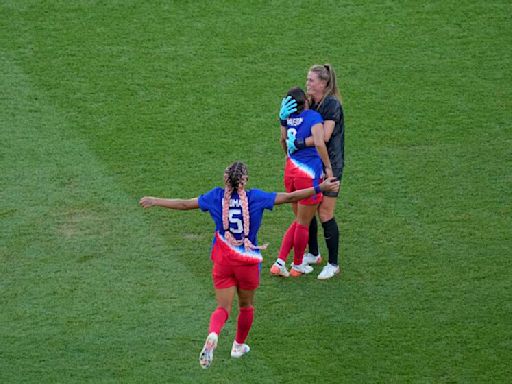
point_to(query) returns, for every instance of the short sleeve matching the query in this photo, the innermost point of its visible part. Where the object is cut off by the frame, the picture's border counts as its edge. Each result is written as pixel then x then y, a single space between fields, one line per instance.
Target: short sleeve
pixel 262 199
pixel 207 200
pixel 331 109
pixel 316 119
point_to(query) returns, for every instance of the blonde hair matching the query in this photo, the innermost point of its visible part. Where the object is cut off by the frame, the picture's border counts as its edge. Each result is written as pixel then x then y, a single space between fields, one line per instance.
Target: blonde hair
pixel 235 178
pixel 326 73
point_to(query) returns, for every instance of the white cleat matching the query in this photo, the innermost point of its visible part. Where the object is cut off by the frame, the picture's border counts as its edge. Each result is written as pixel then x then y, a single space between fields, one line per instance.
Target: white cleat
pixel 279 270
pixel 329 271
pixel 309 258
pixel 299 270
pixel 206 355
pixel 239 350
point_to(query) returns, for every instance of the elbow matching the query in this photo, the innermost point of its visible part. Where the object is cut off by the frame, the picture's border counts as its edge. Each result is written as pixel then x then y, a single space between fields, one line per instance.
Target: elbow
pixel 319 141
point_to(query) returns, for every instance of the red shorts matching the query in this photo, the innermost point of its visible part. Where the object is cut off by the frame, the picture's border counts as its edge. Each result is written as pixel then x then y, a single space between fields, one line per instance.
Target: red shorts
pixel 245 276
pixel 292 184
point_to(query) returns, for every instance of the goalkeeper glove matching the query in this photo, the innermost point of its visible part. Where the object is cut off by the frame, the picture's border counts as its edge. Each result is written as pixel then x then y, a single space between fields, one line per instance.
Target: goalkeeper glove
pixel 288 106
pixel 290 144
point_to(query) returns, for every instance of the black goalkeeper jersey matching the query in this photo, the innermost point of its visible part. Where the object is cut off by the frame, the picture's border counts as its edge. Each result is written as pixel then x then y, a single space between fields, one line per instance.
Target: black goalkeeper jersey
pixel 331 109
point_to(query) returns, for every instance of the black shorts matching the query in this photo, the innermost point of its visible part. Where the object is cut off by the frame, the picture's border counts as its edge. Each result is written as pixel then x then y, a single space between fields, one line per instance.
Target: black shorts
pixel 338 173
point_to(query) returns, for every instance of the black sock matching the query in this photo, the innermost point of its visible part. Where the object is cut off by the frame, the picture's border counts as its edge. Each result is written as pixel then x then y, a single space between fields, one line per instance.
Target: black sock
pixel 313 237
pixel 332 239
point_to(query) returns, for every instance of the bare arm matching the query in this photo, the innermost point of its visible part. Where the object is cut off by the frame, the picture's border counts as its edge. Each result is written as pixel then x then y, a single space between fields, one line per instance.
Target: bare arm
pixel 318 137
pixel 283 139
pixel 328 130
pixel 330 184
pixel 181 204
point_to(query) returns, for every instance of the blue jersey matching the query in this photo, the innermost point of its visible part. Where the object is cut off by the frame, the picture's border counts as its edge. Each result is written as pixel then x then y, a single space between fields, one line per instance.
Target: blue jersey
pixel 258 200
pixel 307 161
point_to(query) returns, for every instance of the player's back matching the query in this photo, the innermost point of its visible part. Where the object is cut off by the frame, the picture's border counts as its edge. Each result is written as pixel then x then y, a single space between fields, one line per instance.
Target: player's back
pixel 304 162
pixel 258 200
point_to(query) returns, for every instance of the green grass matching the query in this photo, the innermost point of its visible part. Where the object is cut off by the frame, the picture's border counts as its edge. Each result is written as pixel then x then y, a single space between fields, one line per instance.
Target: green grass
pixel 103 102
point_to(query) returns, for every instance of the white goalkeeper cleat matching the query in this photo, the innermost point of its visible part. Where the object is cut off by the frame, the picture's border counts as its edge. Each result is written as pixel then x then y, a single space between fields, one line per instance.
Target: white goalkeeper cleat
pixel 206 355
pixel 329 271
pixel 309 258
pixel 239 350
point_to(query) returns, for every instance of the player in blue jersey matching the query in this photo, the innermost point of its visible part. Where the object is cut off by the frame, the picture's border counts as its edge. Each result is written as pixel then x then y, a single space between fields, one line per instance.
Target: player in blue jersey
pixel 303 169
pixel 325 98
pixel 236 257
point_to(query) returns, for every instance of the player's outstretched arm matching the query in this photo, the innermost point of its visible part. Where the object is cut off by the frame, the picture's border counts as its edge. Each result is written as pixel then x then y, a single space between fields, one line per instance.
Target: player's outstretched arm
pixel 181 204
pixel 329 185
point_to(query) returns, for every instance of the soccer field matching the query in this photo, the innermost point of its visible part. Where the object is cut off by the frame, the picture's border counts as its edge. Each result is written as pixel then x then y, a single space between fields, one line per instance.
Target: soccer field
pixel 102 102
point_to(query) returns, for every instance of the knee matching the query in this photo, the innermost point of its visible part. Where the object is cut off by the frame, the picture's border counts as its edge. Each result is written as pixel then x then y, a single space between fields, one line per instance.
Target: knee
pixel 245 302
pixel 246 299
pixel 325 214
pixel 303 221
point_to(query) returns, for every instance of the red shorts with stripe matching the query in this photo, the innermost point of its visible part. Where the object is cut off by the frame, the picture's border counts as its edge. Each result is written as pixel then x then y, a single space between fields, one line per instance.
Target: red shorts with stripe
pixel 234 267
pixel 245 276
pixel 292 184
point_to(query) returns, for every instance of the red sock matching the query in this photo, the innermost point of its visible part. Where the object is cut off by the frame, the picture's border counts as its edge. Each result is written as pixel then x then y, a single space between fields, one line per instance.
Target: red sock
pixel 287 243
pixel 245 319
pixel 300 242
pixel 217 320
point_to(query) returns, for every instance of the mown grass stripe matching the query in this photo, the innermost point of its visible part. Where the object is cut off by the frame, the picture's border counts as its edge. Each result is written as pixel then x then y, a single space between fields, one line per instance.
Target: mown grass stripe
pixel 82 270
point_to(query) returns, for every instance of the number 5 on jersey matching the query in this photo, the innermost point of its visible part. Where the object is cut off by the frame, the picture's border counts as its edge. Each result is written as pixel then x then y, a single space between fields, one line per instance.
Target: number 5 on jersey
pixel 235 220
